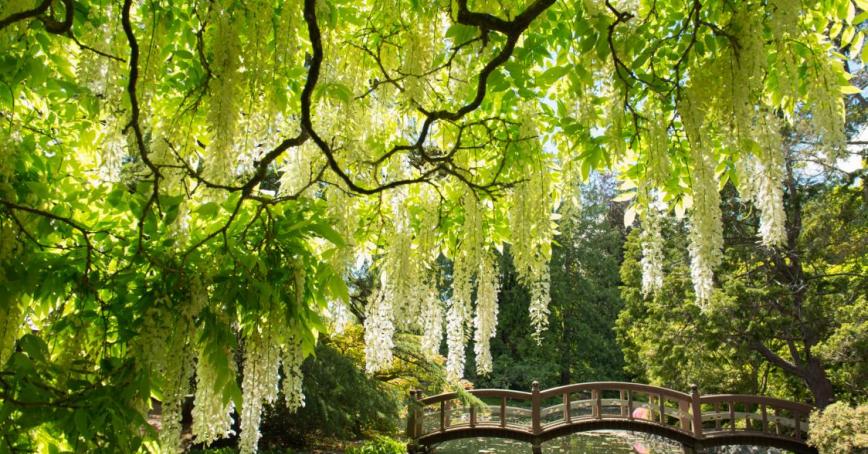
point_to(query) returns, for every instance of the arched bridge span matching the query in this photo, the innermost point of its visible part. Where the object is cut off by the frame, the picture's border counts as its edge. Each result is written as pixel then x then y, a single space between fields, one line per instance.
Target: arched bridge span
pixel 694 420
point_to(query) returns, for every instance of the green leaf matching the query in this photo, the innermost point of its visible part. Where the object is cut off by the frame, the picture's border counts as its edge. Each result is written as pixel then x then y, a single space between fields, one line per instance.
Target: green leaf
pixel 208 210
pixel 551 75
pixel 328 233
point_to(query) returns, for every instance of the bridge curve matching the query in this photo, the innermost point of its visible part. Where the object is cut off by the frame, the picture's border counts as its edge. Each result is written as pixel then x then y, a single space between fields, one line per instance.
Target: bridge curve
pixel 537 416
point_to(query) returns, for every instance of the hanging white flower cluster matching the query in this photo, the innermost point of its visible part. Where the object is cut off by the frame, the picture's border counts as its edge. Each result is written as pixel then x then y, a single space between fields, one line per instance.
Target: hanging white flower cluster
pixel 784 25
pixel 394 299
pixel 456 321
pixel 298 170
pixel 407 295
pixel 827 108
pixel 212 414
pixel 485 322
pixel 762 180
pixel 652 251
pixel 340 316
pixel 706 232
pixel 465 267
pixel 379 329
pixel 417 60
pixel 259 383
pixel 224 112
pixel 746 70
pixel 656 141
pixel 164 345
pixel 292 376
pixel 432 323
pixel 785 17
pixel 530 223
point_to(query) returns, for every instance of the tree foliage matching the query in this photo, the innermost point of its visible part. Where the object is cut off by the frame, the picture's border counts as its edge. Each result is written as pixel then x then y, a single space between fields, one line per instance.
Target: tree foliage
pixel 180 180
pixel 786 320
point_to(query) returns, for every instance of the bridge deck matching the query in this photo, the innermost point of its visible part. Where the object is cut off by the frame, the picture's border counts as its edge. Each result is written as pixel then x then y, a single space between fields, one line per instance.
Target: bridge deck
pixel 538 416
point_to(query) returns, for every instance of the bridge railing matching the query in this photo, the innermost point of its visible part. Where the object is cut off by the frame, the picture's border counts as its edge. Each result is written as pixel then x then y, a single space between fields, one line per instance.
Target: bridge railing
pixel 532 414
pixel 725 414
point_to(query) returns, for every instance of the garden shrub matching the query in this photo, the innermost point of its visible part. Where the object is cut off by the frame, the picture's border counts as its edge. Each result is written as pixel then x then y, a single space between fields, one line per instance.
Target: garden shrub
pixel 840 429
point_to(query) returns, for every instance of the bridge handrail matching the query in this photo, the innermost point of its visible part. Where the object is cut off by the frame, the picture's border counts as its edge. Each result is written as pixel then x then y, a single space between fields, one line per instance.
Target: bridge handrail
pixel 751 399
pixel 614 386
pixel 507 393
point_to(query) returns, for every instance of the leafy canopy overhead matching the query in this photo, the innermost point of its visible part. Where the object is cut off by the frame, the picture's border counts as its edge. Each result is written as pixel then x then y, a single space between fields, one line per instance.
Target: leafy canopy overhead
pixel 178 176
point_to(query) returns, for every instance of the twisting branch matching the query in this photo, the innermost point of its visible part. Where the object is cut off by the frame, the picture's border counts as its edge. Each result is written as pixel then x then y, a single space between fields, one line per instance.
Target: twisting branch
pixel 26 14
pixel 83 46
pixel 134 117
pixel 512 29
pixel 52 25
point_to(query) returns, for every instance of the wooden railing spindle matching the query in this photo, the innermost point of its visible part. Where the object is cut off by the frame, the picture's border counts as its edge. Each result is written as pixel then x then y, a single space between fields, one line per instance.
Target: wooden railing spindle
pixel 621 402
pixel 765 418
pixel 716 416
pixel 567 415
pixel 442 415
pixel 662 405
pixel 798 426
pixel 596 404
pixel 731 416
pixel 777 421
pixel 629 405
pixel 503 412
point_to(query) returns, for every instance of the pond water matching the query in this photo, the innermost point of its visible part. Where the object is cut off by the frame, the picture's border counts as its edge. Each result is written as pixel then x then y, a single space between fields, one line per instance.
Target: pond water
pixel 599 442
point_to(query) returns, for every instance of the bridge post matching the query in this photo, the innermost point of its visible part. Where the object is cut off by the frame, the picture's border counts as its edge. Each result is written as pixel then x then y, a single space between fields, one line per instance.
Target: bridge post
pixel 696 409
pixel 536 426
pixel 414 422
pixel 411 423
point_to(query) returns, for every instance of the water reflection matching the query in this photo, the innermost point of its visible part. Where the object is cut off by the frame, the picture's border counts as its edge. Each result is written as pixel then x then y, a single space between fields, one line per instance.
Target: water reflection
pixel 599 442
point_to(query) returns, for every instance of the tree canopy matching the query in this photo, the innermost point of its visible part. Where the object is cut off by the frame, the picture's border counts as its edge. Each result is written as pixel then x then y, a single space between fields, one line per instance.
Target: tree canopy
pixel 180 180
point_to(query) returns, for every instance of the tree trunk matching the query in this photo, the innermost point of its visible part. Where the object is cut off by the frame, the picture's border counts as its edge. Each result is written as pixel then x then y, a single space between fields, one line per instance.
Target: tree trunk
pixel 819 384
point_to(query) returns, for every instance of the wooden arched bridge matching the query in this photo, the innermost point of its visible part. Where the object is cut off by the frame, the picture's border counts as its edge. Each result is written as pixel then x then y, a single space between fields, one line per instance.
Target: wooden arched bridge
pixel 537 416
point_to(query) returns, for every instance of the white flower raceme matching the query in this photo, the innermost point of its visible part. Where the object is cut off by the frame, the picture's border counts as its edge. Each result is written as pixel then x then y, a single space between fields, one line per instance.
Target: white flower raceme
pixel 340 316
pixel 652 251
pixel 530 223
pixel 456 319
pixel 379 330
pixel 827 108
pixel 465 265
pixel 769 196
pixel 212 416
pixel 706 232
pixel 784 17
pixel 657 145
pixel 485 322
pixel 225 93
pixel 418 55
pixel 432 322
pixel 164 346
pixel 259 384
pixel 292 375
pixel 747 69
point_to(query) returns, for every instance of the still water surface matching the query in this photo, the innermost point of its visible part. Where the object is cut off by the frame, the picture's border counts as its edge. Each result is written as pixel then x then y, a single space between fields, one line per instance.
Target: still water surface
pixel 600 442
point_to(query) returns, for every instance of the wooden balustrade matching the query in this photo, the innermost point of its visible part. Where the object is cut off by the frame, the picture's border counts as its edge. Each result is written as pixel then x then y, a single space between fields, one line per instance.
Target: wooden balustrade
pixel 540 415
